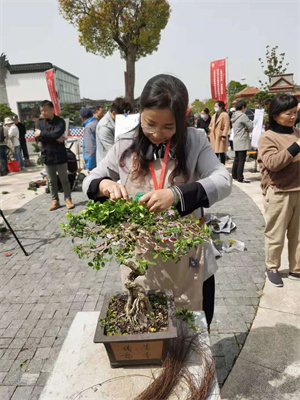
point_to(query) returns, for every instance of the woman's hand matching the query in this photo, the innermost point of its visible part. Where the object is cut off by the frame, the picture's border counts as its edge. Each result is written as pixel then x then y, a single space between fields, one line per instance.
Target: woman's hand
pixel 158 200
pixel 113 190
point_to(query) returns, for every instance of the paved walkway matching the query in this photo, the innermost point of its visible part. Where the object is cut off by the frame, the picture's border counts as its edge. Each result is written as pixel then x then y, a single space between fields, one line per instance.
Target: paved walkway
pixel 41 294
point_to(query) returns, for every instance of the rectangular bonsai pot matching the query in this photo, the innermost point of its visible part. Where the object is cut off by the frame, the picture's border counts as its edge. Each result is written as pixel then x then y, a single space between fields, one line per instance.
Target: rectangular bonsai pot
pixel 139 349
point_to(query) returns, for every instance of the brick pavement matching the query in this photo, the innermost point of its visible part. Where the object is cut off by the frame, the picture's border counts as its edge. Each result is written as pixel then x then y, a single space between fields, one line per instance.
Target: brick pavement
pixel 41 294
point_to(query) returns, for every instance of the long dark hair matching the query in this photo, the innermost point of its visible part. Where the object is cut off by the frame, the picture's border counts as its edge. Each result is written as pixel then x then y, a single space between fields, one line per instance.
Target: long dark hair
pixel 280 103
pixel 162 91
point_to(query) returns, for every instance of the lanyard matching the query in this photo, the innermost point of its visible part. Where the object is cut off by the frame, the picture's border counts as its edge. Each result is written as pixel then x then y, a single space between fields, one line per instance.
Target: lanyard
pixel 163 170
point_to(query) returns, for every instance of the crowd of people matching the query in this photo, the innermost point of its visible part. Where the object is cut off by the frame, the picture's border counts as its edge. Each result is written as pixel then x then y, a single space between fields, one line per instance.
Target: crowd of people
pixel 13 141
pixel 194 151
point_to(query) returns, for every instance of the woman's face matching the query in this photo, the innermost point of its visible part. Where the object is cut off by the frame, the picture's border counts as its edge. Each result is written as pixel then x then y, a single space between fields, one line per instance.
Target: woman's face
pixel 158 125
pixel 286 118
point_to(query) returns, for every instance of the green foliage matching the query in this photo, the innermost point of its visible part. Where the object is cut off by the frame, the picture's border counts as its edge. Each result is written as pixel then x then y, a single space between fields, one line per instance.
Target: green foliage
pixel 5 112
pixel 116 229
pixel 233 88
pixel 197 106
pixel 37 149
pixel 210 104
pixel 273 65
pixel 131 26
pixel 263 98
pixel 70 111
pixel 187 316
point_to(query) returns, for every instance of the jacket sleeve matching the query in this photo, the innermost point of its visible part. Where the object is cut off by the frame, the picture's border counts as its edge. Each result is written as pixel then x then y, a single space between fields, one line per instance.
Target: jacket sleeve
pixel 226 124
pixel 56 132
pixel 13 132
pixel 273 159
pixel 108 168
pixel 210 125
pixel 90 141
pixel 214 184
pixel 248 123
pixel 106 138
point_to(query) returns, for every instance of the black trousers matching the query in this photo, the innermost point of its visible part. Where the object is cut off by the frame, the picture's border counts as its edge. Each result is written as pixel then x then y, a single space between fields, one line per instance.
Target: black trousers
pixel 222 156
pixel 209 299
pixel 24 148
pixel 238 165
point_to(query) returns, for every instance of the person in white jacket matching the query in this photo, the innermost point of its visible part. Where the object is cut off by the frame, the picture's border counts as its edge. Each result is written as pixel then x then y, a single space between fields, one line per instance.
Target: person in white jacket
pixel 13 134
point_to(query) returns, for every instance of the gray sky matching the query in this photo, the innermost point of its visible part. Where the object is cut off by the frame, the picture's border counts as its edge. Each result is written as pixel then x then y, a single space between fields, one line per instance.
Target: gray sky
pixel 197 32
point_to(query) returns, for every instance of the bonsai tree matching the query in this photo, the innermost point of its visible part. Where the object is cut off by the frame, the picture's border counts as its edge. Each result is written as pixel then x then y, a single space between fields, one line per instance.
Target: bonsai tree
pixel 136 237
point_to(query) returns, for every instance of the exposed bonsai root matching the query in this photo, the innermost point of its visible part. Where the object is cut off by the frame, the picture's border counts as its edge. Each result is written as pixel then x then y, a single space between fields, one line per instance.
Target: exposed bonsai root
pixel 138 304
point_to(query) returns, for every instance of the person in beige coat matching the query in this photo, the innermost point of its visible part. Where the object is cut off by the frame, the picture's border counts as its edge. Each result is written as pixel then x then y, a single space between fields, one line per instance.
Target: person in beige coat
pixel 218 131
pixel 279 161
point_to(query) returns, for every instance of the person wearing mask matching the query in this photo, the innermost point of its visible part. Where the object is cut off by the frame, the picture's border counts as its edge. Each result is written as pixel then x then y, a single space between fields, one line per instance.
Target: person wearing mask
pixel 192 178
pixel 242 127
pixel 50 132
pixel 279 162
pixel 218 131
pixel 204 120
pixel 13 134
pixel 105 132
pixel 22 136
pixel 3 150
pixel 89 123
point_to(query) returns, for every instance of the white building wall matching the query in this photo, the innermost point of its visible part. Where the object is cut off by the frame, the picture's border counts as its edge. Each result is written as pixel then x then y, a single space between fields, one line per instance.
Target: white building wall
pixel 26 87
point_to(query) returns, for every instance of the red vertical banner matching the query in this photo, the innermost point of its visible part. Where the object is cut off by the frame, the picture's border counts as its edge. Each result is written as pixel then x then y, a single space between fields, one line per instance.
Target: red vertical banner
pixel 218 80
pixel 52 91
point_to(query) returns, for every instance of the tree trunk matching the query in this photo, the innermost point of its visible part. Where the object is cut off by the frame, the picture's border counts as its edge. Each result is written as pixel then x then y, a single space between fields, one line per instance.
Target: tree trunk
pixel 130 69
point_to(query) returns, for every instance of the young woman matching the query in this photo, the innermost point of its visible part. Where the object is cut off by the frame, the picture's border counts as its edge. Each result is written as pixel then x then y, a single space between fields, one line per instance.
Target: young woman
pixel 218 131
pixel 204 120
pixel 279 161
pixel 174 165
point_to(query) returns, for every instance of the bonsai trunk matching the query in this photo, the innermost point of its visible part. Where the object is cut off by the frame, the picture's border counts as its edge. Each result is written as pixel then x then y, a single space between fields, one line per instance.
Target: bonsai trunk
pixel 138 304
pixel 130 70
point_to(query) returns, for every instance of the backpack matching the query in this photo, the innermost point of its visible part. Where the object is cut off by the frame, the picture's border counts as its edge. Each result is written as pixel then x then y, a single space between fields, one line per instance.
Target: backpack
pixel 2 136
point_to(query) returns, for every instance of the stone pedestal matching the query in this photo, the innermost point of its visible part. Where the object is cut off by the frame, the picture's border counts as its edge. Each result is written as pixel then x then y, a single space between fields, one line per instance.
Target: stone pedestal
pixel 82 370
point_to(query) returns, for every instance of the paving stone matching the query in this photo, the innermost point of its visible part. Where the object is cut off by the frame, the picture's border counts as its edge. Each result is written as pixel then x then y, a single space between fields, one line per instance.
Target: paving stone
pixel 4 343
pixel 22 393
pixel 13 378
pixel 35 366
pixel 17 343
pixel 37 332
pixel 2 376
pixel 5 365
pixel 42 353
pixel 36 393
pixel 29 379
pixel 6 392
pixel 10 354
pixel 43 378
pixel 23 333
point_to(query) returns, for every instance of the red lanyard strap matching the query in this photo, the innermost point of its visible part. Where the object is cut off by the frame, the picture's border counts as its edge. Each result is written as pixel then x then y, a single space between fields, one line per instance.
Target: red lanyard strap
pixel 163 169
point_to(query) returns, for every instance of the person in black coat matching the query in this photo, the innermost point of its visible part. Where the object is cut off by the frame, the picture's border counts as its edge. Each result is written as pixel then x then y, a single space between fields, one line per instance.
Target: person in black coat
pixel 50 132
pixel 22 136
pixel 204 120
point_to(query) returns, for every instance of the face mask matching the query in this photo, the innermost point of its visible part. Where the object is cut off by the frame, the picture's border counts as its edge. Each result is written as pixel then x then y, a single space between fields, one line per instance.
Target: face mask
pixel 202 116
pixel 216 109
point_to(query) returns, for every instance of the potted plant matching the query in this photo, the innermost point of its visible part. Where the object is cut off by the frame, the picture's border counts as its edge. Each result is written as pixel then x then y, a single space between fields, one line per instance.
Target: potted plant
pixel 136 238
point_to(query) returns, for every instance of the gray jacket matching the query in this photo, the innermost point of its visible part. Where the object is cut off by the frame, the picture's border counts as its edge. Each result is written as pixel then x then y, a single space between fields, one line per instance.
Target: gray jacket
pixel 105 136
pixel 202 165
pixel 242 127
pixel 89 134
